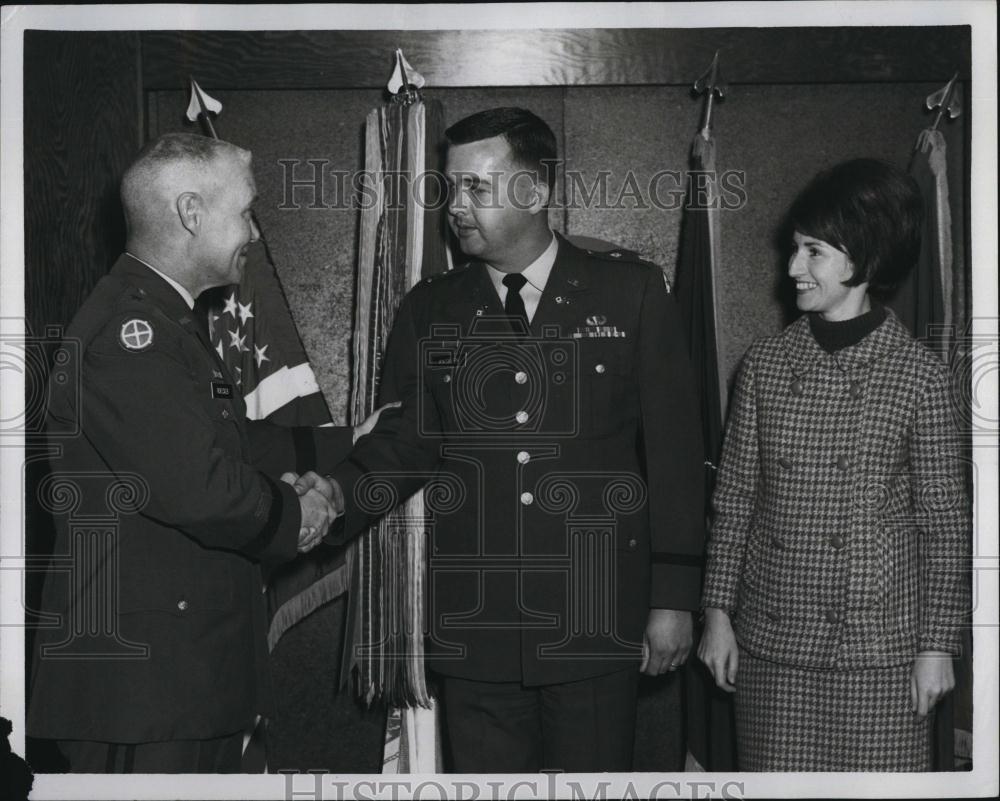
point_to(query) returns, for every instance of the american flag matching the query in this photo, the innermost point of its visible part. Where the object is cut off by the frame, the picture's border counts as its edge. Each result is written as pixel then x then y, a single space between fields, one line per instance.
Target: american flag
pixel 251 329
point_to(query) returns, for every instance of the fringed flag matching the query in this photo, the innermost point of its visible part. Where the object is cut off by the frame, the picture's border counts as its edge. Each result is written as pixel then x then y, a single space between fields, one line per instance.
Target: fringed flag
pixel 401 238
pixel 710 727
pixel 926 304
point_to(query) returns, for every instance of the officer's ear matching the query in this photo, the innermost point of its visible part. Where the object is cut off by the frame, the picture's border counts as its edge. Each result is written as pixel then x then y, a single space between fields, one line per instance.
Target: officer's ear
pixel 191 211
pixel 540 196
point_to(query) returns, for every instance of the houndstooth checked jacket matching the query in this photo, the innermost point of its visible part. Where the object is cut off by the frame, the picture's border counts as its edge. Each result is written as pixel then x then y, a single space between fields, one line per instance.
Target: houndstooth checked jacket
pixel 840 534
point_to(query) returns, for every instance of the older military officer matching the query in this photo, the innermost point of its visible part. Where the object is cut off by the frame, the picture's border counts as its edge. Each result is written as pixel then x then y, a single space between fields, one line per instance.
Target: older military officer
pixel 549 387
pixel 179 670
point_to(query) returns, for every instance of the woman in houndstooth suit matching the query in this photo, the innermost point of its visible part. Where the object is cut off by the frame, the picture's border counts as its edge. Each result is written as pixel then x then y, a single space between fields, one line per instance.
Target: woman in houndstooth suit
pixel 836 579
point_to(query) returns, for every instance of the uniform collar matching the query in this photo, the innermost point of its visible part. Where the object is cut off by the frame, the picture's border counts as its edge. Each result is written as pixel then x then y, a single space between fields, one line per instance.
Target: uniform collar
pixel 182 291
pixel 537 273
pixel 803 352
pixel 568 274
pixel 150 283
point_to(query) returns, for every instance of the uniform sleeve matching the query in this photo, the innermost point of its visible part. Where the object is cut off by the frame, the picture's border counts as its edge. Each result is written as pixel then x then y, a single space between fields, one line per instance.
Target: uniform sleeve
pixel 940 500
pixel 392 462
pixel 280 449
pixel 142 414
pixel 735 494
pixel 671 433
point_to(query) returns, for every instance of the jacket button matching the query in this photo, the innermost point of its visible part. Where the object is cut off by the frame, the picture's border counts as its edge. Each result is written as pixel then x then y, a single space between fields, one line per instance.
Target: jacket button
pixel 521 417
pixel 843 463
pixel 797 388
pixel 632 543
pixel 772 616
pixel 527 498
pixel 855 391
pixel 182 605
pixel 521 377
pixel 778 543
pixel 832 616
pixel 837 541
pixel 446 378
pixel 785 463
pixel 599 368
pixel 523 457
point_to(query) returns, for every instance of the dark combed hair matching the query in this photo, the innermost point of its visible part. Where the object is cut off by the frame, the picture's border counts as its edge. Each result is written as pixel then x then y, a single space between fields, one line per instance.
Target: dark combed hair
pixel 532 143
pixel 869 209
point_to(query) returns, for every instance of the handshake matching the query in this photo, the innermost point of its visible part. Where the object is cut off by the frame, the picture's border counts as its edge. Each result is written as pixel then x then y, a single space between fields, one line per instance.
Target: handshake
pixel 321 503
pixel 321 500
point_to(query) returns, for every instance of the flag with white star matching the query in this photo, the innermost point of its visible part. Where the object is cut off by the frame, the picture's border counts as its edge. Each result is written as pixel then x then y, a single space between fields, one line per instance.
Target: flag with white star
pixel 252 330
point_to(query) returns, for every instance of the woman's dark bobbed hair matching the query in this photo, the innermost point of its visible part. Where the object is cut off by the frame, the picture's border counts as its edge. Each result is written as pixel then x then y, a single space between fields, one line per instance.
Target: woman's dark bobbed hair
pixel 869 209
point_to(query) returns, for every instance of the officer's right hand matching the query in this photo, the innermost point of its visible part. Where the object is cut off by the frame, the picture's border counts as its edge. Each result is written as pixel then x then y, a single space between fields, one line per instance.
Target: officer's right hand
pixel 317 516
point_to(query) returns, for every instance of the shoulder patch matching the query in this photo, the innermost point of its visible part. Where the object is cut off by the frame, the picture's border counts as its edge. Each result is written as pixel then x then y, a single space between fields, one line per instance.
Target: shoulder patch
pixel 135 334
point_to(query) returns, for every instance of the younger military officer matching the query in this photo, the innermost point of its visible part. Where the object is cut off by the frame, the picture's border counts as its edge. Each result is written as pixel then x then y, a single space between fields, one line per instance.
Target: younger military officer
pixel 159 662
pixel 551 386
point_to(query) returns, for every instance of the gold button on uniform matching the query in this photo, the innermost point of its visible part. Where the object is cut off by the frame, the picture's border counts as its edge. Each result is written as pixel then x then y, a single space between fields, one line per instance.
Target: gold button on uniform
pixel 521 417
pixel 446 378
pixel 599 368
pixel 182 605
pixel 523 457
pixel 521 377
pixel 527 498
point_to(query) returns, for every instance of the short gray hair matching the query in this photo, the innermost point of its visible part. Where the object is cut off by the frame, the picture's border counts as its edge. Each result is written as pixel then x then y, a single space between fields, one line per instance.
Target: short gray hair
pixel 164 155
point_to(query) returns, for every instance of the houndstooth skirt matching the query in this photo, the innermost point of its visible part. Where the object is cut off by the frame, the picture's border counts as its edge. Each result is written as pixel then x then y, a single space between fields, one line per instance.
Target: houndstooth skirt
pixel 795 719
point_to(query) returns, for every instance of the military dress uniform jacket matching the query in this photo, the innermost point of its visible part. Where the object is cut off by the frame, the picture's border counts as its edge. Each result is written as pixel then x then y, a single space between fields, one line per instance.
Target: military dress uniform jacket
pixel 840 536
pixel 163 519
pixel 567 498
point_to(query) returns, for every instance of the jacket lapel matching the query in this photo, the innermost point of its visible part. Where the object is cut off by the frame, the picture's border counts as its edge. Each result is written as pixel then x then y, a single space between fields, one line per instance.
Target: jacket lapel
pixel 567 286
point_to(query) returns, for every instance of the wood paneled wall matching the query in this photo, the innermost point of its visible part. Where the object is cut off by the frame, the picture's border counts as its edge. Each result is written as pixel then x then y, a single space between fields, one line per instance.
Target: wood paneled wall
pixel 82 127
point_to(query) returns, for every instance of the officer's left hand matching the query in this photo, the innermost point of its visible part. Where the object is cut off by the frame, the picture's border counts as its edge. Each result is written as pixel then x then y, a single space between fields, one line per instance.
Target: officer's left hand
pixel 667 641
pixel 371 420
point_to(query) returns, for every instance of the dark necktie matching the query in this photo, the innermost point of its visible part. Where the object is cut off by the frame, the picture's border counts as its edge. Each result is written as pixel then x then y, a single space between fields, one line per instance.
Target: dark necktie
pixel 514 305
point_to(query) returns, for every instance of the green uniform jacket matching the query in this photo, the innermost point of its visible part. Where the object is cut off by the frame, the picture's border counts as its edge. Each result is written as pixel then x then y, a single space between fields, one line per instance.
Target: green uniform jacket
pixel 165 507
pixel 568 493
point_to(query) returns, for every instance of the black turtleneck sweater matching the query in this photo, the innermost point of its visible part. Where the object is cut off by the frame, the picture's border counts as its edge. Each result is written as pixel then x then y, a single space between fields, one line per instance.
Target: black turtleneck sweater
pixel 836 335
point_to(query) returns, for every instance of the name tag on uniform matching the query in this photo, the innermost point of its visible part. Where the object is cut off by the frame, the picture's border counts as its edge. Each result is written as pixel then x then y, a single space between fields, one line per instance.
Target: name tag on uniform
pixel 222 391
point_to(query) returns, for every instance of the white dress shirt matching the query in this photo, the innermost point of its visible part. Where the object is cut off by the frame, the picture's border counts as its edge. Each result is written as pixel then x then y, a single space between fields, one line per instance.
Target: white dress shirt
pixel 536 274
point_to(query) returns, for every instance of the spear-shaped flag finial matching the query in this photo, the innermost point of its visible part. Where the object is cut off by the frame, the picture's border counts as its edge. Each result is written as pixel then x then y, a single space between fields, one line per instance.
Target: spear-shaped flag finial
pixel 710 84
pixel 200 106
pixel 404 79
pixel 945 99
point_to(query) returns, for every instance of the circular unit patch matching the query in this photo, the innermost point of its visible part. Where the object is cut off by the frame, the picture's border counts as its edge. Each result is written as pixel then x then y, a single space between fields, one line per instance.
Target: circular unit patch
pixel 136 334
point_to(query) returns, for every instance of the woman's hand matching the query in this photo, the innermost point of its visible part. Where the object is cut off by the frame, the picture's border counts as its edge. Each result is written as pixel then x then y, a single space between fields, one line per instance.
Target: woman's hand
pixel 931 679
pixel 718 649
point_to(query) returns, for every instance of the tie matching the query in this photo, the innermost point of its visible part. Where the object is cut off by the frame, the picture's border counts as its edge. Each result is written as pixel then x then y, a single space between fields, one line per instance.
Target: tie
pixel 514 305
